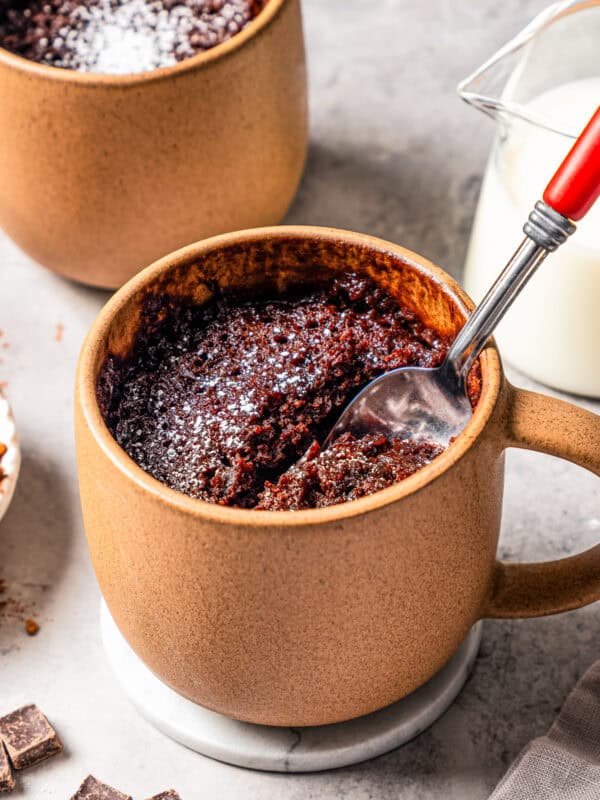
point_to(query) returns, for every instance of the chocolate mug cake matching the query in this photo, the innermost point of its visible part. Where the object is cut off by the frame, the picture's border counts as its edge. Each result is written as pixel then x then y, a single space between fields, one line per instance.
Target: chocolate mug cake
pixel 228 401
pixel 119 36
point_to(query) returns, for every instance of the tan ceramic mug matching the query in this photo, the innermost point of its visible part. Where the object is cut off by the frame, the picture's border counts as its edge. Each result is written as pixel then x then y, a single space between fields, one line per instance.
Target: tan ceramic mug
pixel 102 174
pixel 323 615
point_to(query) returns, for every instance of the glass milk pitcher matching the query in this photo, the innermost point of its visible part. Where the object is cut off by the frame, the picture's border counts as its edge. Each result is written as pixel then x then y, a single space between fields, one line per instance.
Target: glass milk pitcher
pixel 541 88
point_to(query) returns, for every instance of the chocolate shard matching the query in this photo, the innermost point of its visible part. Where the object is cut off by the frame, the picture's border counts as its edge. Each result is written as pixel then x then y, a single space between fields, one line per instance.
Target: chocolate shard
pixel 28 737
pixel 93 789
pixel 170 794
pixel 7 780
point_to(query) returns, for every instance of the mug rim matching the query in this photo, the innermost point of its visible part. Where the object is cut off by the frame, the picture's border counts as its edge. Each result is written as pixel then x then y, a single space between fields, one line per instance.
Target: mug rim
pixel 206 58
pixel 251 518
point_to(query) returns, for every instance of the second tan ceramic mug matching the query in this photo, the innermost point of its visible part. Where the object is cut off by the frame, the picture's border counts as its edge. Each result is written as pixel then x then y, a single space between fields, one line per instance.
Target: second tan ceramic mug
pixel 323 615
pixel 102 174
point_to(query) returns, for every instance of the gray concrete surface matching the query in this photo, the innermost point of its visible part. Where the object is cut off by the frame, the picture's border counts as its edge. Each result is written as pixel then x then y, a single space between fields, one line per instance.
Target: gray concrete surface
pixel 393 152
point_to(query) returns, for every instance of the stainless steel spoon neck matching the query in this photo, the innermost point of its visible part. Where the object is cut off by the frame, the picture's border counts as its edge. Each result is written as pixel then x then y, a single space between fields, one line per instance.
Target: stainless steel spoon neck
pixel 545 231
pixel 547 228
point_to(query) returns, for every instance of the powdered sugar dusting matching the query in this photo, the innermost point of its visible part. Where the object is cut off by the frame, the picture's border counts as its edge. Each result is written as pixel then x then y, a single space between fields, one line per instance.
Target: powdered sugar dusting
pixel 132 36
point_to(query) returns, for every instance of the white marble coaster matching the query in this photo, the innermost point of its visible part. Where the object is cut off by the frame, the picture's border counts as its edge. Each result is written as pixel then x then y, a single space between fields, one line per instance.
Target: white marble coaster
pixel 11 460
pixel 285 749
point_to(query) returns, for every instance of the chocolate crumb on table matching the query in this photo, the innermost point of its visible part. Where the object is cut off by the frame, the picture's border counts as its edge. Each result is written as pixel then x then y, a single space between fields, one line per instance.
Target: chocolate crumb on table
pixel 3 451
pixel 31 627
pixel 28 737
pixel 11 608
pixel 170 794
pixel 7 780
pixel 93 789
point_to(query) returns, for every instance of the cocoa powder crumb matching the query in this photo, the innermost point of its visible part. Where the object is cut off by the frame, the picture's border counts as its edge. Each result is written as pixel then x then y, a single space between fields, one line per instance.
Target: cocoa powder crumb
pixel 13 609
pixel 3 451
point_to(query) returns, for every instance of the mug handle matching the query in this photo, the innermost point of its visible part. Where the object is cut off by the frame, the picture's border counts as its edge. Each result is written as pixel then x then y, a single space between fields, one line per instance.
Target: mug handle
pixel 538 422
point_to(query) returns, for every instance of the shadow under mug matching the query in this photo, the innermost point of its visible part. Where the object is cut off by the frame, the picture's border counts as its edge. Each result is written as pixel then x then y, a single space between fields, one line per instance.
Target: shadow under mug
pixel 103 174
pixel 317 616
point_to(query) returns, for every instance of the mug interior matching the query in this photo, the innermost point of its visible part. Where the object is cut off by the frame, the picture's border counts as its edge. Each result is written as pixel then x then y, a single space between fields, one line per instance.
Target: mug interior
pixel 277 265
pixel 272 261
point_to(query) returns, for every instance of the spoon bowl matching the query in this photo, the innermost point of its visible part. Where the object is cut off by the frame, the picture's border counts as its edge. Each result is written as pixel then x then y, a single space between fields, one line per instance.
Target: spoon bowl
pixel 417 403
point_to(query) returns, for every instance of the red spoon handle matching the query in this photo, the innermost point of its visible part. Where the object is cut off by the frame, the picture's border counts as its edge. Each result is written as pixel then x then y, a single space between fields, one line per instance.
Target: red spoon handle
pixel 576 185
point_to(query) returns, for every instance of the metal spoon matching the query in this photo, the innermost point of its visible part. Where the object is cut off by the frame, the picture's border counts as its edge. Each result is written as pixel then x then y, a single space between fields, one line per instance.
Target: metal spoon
pixel 432 404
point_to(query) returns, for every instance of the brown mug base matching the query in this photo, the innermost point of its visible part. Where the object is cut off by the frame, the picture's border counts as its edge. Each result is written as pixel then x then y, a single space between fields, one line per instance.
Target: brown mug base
pixel 281 749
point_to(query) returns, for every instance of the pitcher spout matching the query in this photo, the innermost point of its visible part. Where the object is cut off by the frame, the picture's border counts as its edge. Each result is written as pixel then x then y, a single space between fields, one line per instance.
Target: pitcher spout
pixel 502 86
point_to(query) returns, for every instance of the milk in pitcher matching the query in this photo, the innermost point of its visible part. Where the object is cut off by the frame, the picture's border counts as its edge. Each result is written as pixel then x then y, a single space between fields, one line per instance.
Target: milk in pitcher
pixel 552 332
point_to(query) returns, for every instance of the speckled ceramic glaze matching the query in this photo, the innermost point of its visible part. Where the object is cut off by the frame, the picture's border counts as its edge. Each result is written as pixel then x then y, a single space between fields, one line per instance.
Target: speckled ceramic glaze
pixel 103 174
pixel 323 615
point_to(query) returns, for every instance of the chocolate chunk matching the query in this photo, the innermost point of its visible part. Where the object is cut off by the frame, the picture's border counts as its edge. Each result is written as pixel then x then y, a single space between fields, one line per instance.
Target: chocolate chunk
pixel 93 789
pixel 28 737
pixel 170 794
pixel 7 781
